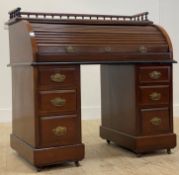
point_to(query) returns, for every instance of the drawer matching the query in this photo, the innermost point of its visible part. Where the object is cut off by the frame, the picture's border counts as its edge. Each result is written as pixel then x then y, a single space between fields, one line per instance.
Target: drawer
pixel 57 102
pixel 155 121
pixel 64 130
pixel 55 77
pixel 152 95
pixel 150 74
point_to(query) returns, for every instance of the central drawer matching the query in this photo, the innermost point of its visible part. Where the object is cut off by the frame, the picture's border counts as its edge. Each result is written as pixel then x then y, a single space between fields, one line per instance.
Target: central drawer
pixel 57 102
pixel 60 130
pixel 154 95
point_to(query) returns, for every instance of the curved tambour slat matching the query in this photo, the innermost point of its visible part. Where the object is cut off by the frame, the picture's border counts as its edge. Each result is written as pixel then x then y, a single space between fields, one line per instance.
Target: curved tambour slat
pixel 88 28
pixel 118 38
pixel 101 49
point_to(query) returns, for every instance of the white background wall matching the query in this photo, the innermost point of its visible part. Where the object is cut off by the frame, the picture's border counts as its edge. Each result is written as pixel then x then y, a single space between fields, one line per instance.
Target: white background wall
pixel 163 12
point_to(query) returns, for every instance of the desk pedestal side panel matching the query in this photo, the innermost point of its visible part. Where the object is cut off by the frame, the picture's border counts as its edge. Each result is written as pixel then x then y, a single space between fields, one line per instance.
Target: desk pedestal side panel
pixel 137 106
pixel 46 125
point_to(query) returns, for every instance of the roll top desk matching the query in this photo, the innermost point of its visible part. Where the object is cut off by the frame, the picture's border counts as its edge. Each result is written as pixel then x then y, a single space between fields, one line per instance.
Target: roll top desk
pixel 46 51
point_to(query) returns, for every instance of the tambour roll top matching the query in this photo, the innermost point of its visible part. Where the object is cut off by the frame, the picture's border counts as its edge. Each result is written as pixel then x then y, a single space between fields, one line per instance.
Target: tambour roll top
pixel 80 38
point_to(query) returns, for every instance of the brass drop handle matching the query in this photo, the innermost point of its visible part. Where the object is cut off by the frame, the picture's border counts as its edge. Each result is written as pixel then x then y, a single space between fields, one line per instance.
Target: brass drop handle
pixel 107 49
pixel 155 75
pixel 58 77
pixel 70 49
pixel 143 49
pixel 58 102
pixel 59 131
pixel 156 121
pixel 155 96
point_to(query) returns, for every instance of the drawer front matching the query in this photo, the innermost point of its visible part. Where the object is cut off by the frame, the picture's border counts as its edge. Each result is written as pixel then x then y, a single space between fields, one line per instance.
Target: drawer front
pixel 155 121
pixel 150 74
pixel 151 95
pixel 107 47
pixel 53 77
pixel 57 102
pixel 59 130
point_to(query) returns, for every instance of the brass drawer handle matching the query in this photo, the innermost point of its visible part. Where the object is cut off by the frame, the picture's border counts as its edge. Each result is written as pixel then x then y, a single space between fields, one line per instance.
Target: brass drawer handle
pixel 155 75
pixel 156 121
pixel 58 77
pixel 58 102
pixel 143 49
pixel 70 49
pixel 155 96
pixel 107 49
pixel 59 131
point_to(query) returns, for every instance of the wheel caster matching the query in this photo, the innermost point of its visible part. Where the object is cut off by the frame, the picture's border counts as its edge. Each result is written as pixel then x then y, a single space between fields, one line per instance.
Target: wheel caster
pixel 39 169
pixel 77 164
pixel 139 154
pixel 169 151
pixel 108 141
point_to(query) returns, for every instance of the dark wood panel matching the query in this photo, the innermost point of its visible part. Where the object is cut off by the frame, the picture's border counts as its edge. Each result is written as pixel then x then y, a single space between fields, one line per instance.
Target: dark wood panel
pixel 24 121
pixel 118 105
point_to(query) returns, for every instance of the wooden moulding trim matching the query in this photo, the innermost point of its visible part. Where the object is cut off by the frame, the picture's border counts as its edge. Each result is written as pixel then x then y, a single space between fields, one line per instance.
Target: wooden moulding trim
pixel 139 144
pixel 88 22
pixel 40 156
pixel 149 143
pixel 16 14
pixel 92 62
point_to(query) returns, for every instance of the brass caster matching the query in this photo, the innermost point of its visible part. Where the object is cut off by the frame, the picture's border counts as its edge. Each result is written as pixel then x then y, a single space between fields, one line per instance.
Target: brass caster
pixel 169 151
pixel 108 141
pixel 139 154
pixel 77 164
pixel 39 169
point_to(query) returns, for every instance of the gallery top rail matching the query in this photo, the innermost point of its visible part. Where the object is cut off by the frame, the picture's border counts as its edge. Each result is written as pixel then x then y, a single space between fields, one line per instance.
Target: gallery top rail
pixel 138 19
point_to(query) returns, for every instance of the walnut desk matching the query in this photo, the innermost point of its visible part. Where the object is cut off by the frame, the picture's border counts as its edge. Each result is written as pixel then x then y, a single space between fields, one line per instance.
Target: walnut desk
pixel 46 51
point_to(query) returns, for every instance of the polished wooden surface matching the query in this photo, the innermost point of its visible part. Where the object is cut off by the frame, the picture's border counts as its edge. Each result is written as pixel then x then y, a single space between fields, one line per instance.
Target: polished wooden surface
pixel 23 106
pixel 136 81
pixel 118 104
